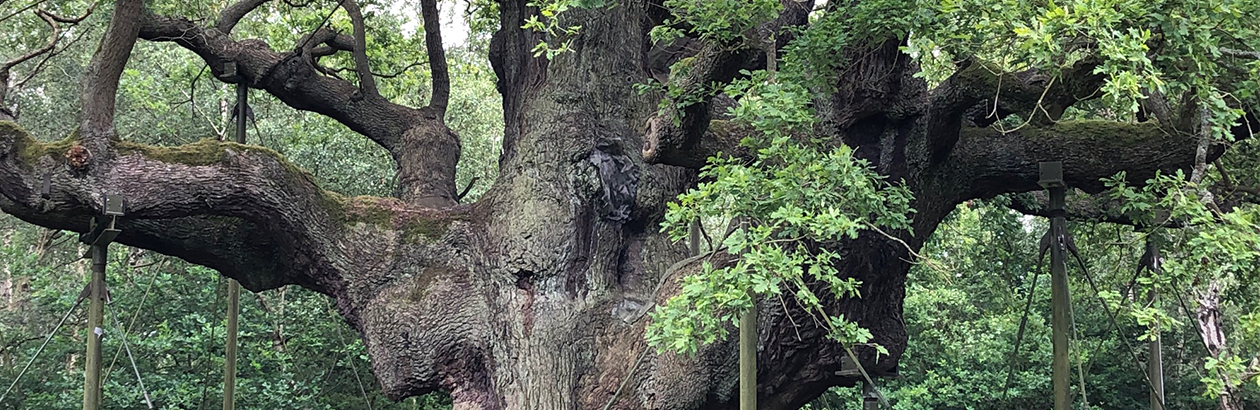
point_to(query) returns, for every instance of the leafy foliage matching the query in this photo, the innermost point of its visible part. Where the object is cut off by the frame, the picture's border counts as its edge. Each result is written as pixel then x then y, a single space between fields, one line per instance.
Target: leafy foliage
pixel 792 205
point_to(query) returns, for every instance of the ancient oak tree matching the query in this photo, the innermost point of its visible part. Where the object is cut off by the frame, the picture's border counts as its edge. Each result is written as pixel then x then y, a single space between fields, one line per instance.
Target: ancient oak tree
pixel 535 295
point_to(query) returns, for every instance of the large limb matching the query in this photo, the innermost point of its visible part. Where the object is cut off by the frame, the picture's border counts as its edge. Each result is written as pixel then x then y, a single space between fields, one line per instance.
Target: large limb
pixel 981 94
pixel 367 82
pixel 437 57
pixel 231 15
pixel 290 76
pixel 100 81
pixel 987 162
pixel 238 209
pixel 679 135
pixel 676 135
pixel 424 148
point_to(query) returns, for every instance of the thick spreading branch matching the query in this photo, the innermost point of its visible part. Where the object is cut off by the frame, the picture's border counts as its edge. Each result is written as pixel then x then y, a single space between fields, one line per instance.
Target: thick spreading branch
pixel 290 76
pixel 676 135
pixel 981 94
pixel 367 82
pixel 100 81
pixel 238 209
pixel 231 15
pixel 987 162
pixel 437 56
pixel 425 150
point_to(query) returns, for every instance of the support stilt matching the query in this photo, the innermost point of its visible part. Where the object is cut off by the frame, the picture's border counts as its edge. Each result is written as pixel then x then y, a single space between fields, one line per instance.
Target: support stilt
pixel 870 400
pixel 95 328
pixel 1052 179
pixel 103 231
pixel 234 287
pixel 1155 363
pixel 748 360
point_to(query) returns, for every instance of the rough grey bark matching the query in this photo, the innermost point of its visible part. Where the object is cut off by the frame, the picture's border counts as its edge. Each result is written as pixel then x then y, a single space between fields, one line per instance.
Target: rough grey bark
pixel 100 80
pixel 534 296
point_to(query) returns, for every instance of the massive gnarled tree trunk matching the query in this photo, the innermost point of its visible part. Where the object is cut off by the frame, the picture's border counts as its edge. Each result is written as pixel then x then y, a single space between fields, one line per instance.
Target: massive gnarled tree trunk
pixel 534 297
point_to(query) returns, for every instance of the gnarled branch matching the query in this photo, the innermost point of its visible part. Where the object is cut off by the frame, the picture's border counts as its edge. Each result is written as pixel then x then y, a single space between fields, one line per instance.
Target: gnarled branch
pixel 367 82
pixel 987 162
pixel 675 135
pixel 100 81
pixel 288 76
pixel 231 15
pixel 437 56
pixel 981 94
pixel 223 205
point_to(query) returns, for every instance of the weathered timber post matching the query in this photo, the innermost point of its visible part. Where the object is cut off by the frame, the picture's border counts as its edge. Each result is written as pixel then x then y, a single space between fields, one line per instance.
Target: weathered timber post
pixel 240 111
pixel 748 359
pixel 103 231
pixel 1155 364
pixel 1052 179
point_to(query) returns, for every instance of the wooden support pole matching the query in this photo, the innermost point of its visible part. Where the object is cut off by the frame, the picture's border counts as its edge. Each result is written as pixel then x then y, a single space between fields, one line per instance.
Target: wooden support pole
pixel 95 328
pixel 1052 179
pixel 1155 363
pixel 229 364
pixel 1060 300
pixel 693 236
pixel 748 359
pixel 103 230
pixel 234 287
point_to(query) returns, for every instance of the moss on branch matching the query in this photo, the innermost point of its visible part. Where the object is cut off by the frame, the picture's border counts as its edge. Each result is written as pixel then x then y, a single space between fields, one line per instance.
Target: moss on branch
pixel 1115 132
pixel 28 150
pixel 414 225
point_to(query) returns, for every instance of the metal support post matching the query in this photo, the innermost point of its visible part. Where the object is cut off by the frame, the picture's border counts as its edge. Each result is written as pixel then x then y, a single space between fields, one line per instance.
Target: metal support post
pixel 870 400
pixel 1052 179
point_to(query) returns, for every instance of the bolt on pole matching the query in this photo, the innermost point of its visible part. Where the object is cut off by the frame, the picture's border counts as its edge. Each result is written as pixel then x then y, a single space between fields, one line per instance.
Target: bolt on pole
pixel 1052 180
